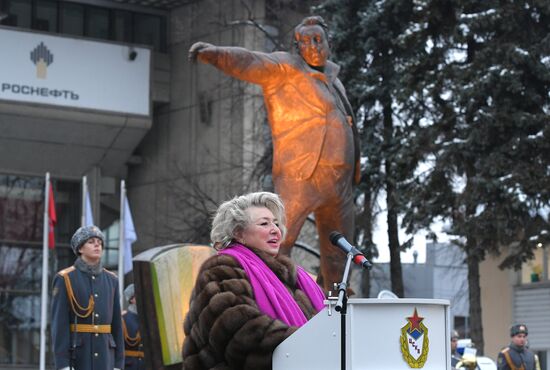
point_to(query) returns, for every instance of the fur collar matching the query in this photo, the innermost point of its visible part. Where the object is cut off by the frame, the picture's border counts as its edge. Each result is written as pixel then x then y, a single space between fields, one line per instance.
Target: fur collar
pixel 88 269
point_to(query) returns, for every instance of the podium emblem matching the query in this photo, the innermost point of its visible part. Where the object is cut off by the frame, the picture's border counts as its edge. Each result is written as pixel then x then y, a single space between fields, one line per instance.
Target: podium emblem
pixel 414 341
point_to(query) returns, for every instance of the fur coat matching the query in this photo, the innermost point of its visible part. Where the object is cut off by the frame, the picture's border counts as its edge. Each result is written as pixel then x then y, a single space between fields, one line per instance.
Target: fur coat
pixel 224 329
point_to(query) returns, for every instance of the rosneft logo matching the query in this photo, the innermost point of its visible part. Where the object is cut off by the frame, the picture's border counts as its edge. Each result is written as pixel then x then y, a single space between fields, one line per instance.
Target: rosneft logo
pixel 42 58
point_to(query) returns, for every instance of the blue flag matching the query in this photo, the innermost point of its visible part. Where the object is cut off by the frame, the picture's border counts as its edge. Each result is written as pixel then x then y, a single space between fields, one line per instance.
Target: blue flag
pixel 130 236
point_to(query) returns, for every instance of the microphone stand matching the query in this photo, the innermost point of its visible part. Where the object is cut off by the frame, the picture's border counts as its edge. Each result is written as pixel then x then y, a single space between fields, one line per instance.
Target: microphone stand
pixel 342 307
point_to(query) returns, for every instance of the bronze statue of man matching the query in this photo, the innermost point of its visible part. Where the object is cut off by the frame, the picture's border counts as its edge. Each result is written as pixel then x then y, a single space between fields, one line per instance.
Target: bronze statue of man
pixel 315 141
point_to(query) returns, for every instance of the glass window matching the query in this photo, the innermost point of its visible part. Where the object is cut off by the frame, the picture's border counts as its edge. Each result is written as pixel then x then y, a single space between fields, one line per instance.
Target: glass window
pixel 536 269
pixel 45 16
pixel 20 302
pixel 110 255
pixel 21 229
pixel 122 26
pixel 97 23
pixel 147 30
pixel 21 208
pixel 68 206
pixel 71 20
pixel 462 326
pixel 78 19
pixel 19 13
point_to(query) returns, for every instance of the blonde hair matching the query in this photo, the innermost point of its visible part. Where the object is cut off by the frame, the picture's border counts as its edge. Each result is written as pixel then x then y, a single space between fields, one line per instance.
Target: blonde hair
pixel 232 216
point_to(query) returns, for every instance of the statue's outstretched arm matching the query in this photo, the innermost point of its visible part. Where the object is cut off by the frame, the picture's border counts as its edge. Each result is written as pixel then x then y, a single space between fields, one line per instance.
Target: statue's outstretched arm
pixel 197 48
pixel 251 66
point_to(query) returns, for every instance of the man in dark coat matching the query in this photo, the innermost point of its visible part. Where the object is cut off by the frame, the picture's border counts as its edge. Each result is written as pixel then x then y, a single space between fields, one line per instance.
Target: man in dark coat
pixel 455 356
pixel 133 350
pixel 86 318
pixel 517 356
pixel 315 140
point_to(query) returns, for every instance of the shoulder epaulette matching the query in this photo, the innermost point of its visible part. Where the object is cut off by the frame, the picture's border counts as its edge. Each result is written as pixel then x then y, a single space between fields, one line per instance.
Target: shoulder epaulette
pixel 110 272
pixel 66 271
pixel 508 358
pixel 78 310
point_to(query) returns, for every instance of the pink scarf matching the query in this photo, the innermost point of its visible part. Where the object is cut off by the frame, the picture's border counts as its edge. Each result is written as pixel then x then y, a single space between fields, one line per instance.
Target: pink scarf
pixel 271 295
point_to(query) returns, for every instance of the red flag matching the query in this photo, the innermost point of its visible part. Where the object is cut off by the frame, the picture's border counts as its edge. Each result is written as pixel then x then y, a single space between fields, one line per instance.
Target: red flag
pixel 52 219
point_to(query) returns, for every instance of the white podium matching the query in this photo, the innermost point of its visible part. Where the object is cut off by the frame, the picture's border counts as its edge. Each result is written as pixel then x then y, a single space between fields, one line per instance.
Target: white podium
pixel 380 334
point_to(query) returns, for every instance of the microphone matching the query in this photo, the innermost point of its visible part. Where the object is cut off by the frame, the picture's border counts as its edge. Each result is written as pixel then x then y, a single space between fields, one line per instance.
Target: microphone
pixel 358 258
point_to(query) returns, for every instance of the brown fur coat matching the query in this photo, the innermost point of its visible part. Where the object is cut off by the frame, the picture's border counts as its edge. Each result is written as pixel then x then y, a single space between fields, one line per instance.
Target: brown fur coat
pixel 224 329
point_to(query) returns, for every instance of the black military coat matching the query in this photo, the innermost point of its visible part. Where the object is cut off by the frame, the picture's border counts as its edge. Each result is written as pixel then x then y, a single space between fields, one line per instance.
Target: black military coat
pixel 133 359
pixel 515 358
pixel 92 350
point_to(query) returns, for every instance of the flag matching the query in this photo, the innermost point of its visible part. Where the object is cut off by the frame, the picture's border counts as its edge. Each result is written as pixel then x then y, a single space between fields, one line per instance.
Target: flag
pixel 48 242
pixel 52 219
pixel 88 216
pixel 130 236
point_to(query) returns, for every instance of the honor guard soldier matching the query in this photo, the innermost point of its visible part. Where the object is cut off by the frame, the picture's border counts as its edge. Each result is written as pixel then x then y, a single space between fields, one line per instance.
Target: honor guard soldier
pixel 86 316
pixel 517 356
pixel 455 356
pixel 133 353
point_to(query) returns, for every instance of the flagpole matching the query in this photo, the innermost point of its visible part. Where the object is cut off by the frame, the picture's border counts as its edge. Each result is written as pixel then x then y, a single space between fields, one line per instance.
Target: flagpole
pixel 121 244
pixel 84 192
pixel 44 298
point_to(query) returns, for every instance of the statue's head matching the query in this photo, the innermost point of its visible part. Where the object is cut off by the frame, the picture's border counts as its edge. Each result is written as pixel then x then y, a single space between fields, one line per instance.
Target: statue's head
pixel 311 41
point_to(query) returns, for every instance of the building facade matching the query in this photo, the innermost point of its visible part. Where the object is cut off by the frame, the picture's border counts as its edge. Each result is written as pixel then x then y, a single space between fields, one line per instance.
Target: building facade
pixel 103 89
pixel 523 296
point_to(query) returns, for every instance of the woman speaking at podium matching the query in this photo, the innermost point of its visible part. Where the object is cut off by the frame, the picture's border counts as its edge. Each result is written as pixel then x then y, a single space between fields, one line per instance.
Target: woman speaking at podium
pixel 247 298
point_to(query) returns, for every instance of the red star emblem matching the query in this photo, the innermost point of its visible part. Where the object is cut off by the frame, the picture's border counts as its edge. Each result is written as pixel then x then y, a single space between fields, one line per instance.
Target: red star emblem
pixel 415 321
